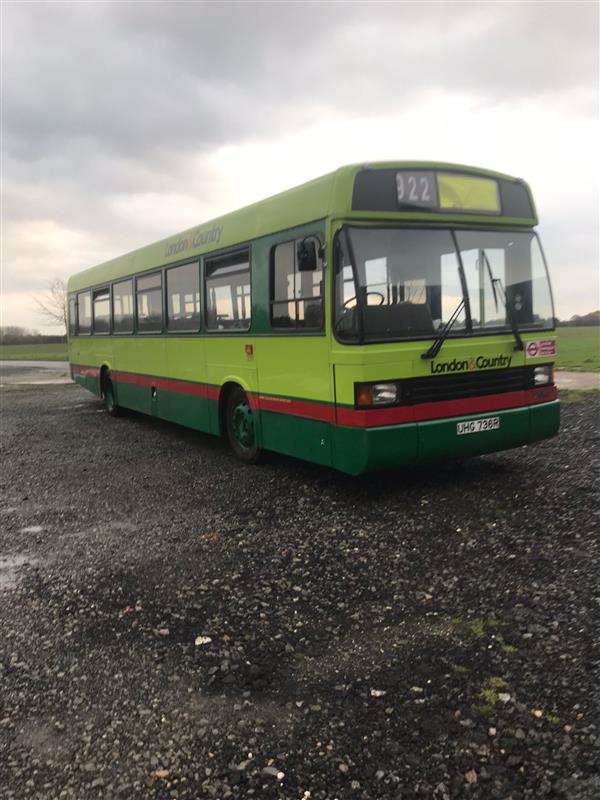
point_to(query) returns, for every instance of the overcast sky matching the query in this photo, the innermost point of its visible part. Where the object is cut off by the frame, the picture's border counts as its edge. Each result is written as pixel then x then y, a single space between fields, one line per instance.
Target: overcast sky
pixel 125 122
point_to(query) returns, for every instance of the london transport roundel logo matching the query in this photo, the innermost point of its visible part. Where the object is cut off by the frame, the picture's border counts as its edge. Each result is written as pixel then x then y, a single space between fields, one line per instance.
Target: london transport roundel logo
pixel 532 349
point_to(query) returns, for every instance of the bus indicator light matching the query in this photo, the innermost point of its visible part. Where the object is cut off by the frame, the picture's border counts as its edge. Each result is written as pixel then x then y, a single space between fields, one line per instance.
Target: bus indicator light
pixel 364 395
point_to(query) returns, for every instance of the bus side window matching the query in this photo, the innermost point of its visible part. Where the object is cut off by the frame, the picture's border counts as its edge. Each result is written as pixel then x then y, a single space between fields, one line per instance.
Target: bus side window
pixel 101 308
pixel 122 300
pixel 228 299
pixel 183 297
pixel 149 303
pixel 297 297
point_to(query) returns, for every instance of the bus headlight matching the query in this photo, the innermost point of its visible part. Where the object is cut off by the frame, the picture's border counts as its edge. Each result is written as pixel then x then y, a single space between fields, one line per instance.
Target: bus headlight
pixel 543 375
pixel 377 394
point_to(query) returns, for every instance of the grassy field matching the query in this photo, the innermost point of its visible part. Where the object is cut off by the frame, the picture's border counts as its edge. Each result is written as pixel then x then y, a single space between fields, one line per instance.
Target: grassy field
pixel 33 352
pixel 578 350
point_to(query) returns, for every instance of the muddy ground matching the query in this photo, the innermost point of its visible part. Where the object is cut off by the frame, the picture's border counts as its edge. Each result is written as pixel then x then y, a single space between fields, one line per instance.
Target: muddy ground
pixel 174 624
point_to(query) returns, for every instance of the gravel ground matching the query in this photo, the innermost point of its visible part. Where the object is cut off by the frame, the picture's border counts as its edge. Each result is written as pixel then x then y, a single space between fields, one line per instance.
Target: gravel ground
pixel 177 625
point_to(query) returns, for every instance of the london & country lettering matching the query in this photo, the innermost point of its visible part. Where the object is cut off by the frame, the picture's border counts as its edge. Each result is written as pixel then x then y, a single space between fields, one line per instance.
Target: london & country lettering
pixel 467 364
pixel 199 238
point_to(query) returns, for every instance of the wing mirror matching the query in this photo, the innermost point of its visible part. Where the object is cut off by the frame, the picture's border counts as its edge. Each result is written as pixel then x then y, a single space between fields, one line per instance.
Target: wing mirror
pixel 307 255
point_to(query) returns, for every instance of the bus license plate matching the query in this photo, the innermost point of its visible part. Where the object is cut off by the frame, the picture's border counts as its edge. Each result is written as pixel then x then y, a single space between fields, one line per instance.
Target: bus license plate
pixel 478 425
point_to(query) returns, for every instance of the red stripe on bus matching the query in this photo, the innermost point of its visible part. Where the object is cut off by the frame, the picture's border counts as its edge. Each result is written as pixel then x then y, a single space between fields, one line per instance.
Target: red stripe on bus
pixel 352 417
pixel 168 384
pixel 297 408
pixel 422 412
pixel 375 417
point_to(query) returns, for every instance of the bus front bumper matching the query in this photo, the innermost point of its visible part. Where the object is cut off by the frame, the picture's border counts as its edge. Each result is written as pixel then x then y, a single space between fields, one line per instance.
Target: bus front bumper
pixel 360 450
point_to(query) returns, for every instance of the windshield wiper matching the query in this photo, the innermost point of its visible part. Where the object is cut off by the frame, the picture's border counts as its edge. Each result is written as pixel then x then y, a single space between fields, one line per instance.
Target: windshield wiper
pixel 443 334
pixel 496 282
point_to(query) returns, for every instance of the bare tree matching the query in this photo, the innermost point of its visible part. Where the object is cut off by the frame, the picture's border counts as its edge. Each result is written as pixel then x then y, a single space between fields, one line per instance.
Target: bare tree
pixel 53 304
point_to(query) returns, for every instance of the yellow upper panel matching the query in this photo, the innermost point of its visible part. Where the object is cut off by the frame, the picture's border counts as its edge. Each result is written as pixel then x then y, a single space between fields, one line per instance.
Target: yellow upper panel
pixel 468 193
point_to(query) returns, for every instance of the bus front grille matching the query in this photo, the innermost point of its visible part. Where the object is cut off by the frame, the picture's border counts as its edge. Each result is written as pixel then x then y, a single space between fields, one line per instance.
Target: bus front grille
pixel 468 384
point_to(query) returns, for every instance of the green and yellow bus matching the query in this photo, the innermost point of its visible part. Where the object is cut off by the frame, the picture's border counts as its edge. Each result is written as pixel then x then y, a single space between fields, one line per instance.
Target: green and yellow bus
pixel 384 314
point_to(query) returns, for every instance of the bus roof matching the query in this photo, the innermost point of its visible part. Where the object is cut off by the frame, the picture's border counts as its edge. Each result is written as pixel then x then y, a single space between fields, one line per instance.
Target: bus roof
pixel 328 195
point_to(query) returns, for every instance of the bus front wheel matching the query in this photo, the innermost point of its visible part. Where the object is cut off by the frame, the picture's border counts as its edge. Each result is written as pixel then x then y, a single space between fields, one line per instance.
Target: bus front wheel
pixel 240 425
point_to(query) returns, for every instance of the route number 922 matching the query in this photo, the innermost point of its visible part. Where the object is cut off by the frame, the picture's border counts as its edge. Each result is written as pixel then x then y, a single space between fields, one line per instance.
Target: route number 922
pixel 416 188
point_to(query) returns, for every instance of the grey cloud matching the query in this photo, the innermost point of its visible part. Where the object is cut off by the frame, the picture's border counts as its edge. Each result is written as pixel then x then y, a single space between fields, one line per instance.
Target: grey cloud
pixel 133 78
pixel 101 100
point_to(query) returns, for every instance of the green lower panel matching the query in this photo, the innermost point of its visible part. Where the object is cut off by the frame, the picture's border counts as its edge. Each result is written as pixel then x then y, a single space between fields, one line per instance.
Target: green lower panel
pixel 185 410
pixel 88 382
pixel 304 438
pixel 134 396
pixel 188 410
pixel 360 450
pixel 545 420
pixel 439 439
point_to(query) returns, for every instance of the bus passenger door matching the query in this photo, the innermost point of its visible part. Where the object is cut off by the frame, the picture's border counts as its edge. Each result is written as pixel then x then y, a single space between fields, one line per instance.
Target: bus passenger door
pixel 292 348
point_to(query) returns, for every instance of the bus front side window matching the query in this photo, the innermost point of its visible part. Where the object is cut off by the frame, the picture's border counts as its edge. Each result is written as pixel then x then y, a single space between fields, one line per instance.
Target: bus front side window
pixel 297 297
pixel 72 316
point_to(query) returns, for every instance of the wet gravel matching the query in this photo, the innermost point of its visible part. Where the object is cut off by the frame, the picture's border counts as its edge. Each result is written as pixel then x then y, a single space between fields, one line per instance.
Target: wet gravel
pixel 174 624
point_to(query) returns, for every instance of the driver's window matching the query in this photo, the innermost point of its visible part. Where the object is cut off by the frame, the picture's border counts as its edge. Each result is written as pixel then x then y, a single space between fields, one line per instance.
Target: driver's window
pixel 376 281
pixel 345 289
pixel 348 283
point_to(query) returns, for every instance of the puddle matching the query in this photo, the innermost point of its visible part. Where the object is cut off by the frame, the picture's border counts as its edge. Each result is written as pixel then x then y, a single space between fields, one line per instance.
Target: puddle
pixel 18 373
pixel 9 568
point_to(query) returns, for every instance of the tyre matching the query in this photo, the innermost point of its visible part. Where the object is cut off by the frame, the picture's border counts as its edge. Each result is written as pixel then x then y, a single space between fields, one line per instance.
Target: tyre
pixel 110 398
pixel 240 426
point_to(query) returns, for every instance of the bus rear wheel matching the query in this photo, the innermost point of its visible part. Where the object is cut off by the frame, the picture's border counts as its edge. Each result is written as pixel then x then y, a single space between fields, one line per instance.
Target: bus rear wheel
pixel 241 430
pixel 110 399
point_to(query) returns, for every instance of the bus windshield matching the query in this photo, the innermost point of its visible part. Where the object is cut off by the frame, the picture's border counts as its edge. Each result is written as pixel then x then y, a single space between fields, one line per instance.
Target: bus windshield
pixel 399 283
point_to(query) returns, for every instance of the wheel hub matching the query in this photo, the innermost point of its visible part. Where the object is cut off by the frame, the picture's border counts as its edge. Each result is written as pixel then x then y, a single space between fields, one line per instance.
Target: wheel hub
pixel 243 425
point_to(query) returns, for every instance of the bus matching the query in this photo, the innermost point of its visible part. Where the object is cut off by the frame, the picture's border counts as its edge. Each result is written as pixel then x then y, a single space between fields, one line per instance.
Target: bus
pixel 382 315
